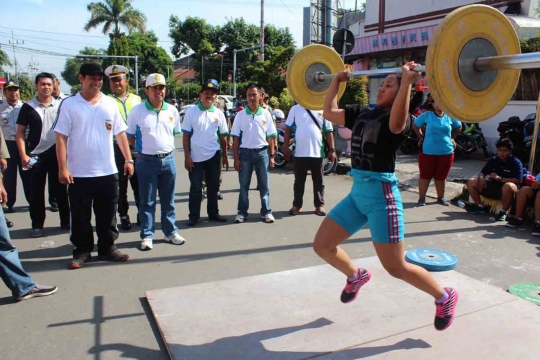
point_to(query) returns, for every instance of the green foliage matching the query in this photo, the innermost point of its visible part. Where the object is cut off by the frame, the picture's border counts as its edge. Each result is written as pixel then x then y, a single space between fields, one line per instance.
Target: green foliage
pixel 27 88
pixel 355 92
pixel 113 14
pixel 529 45
pixel 4 60
pixel 72 66
pixel 209 43
pixel 271 73
pixel 151 57
pixel 75 89
pixel 286 101
pixel 274 102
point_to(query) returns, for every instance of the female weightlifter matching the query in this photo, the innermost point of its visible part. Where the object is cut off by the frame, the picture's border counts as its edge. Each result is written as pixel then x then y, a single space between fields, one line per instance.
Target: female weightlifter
pixel 374 198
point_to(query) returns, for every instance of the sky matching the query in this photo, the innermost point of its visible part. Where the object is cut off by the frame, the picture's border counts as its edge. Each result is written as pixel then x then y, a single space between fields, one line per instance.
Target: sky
pixel 57 25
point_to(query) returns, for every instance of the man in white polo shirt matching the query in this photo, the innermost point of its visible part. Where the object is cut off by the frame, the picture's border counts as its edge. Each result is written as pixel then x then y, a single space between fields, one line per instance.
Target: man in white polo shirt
pixel 85 127
pixel 254 139
pixel 205 128
pixel 309 127
pixel 38 153
pixel 151 128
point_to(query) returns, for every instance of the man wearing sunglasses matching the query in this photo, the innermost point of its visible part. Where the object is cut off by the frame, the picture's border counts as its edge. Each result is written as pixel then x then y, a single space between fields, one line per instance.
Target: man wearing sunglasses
pixel 151 129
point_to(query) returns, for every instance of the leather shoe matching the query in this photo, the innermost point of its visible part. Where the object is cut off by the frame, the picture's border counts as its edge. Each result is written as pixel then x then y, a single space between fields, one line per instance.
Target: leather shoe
pixel 9 223
pixel 192 222
pixel 218 218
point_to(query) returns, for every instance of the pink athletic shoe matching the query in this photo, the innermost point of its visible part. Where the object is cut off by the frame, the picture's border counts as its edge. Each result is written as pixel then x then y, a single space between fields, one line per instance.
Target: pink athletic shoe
pixel 352 288
pixel 446 311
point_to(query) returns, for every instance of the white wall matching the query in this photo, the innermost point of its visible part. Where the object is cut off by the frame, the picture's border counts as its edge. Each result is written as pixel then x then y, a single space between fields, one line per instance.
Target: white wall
pixel 513 108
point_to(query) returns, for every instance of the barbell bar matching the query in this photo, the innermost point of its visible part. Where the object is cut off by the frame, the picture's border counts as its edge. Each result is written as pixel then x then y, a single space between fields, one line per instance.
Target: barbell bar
pixel 472 65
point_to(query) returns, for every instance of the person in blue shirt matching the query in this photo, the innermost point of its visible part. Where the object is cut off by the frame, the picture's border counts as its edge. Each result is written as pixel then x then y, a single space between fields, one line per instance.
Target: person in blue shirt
pixel 527 195
pixel 437 155
pixel 499 179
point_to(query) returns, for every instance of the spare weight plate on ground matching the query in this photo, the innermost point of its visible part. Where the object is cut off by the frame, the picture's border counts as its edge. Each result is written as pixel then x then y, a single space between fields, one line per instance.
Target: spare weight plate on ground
pixel 307 62
pixel 431 259
pixel 526 291
pixel 466 34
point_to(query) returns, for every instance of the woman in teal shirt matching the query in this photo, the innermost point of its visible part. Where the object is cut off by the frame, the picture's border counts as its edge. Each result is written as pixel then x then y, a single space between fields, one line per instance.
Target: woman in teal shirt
pixel 437 154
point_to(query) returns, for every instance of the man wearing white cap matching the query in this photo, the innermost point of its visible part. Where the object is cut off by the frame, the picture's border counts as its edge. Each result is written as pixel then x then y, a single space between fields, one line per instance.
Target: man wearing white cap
pixel 126 101
pixel 151 128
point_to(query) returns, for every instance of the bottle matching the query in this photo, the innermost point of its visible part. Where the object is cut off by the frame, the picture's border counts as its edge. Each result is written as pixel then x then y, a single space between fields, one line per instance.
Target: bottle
pixel 32 162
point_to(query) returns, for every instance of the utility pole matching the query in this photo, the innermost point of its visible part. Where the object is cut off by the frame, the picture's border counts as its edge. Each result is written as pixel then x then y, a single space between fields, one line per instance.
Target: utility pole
pixel 262 30
pixel 13 42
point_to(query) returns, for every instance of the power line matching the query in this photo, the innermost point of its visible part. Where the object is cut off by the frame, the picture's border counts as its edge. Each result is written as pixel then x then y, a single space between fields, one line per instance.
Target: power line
pixel 48 39
pixel 297 18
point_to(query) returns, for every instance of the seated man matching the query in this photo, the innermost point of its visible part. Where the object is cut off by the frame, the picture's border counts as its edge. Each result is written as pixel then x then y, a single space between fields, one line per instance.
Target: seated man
pixel 499 179
pixel 527 195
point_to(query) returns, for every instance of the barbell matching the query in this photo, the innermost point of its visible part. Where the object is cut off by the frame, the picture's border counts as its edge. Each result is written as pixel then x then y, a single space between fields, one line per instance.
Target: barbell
pixel 472 66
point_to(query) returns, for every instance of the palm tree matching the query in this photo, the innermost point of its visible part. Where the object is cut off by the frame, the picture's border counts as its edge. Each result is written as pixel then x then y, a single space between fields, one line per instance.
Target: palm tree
pixel 113 14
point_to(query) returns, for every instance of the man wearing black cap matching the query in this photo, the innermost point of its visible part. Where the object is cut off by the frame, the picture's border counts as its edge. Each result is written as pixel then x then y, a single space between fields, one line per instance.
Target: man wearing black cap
pixel 205 128
pixel 125 101
pixel 9 112
pixel 85 127
pixel 38 115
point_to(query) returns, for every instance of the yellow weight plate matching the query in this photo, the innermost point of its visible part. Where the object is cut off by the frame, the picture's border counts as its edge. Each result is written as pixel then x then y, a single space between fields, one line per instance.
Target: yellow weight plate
pixel 465 26
pixel 300 82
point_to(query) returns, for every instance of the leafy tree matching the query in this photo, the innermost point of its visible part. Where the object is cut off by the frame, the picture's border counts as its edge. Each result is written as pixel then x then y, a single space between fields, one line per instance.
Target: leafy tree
pixel 271 73
pixel 72 66
pixel 286 101
pixel 113 14
pixel 274 102
pixel 355 92
pixel 192 34
pixel 151 57
pixel 278 37
pixel 4 60
pixel 27 88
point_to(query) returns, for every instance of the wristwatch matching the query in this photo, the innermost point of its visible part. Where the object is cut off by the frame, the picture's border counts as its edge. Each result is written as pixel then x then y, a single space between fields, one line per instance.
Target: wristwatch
pixel 332 149
pixel 272 156
pixel 130 162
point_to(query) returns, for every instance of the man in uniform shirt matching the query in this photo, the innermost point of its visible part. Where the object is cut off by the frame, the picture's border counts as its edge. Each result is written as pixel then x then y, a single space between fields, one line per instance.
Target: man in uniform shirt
pixel 57 93
pixel 38 115
pixel 254 140
pixel 152 126
pixel 205 128
pixel 85 126
pixel 126 101
pixel 309 127
pixel 9 112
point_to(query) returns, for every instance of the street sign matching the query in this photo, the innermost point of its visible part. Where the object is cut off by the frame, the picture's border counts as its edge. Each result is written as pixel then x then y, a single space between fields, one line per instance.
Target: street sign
pixel 339 41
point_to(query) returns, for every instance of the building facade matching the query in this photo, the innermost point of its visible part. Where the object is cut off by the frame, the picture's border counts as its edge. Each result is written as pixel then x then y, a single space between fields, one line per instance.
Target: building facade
pixel 394 32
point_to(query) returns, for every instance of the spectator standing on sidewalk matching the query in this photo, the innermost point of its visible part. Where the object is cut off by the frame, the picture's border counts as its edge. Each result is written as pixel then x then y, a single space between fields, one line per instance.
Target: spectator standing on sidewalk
pixel 125 101
pixel 38 116
pixel 498 179
pixel 9 112
pixel 11 271
pixel 85 127
pixel 311 129
pixel 152 126
pixel 205 131
pixel 254 148
pixel 437 151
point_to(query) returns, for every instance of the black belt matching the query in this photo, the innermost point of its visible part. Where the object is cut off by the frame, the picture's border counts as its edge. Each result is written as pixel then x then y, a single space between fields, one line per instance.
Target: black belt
pixel 257 150
pixel 158 155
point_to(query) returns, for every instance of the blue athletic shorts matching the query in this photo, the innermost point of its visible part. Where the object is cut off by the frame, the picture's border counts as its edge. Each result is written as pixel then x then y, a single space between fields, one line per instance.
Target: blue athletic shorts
pixel 375 200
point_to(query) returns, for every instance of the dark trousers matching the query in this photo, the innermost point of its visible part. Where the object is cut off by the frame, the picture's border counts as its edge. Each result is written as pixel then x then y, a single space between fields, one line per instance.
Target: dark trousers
pixel 210 170
pixel 301 167
pixel 123 204
pixel 101 194
pixel 46 165
pixel 10 175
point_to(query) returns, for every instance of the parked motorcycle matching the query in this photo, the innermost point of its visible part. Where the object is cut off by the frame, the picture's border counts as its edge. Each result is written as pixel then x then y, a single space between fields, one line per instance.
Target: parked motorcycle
pixel 470 140
pixel 280 161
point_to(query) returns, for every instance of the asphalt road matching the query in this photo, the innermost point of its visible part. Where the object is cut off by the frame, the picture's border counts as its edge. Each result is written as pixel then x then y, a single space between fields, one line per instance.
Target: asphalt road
pixel 100 311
